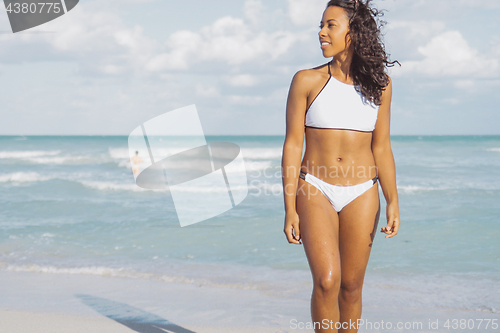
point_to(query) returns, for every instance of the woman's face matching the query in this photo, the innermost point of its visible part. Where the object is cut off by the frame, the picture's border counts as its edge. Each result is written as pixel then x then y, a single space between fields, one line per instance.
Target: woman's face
pixel 334 33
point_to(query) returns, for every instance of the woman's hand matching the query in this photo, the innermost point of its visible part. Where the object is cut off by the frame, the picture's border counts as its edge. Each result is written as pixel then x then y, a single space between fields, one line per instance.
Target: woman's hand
pixel 392 212
pixel 292 223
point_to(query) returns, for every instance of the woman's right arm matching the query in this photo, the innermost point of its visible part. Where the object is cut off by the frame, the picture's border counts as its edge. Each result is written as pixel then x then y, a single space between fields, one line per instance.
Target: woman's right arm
pixel 292 152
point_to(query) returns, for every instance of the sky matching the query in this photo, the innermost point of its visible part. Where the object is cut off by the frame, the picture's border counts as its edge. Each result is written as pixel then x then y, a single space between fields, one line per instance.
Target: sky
pixel 108 66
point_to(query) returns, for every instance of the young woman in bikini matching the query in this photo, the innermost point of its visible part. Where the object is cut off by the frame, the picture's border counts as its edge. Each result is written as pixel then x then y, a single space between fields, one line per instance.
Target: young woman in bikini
pixel 332 197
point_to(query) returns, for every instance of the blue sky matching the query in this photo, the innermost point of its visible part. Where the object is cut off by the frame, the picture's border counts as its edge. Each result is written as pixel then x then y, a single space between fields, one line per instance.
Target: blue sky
pixel 109 65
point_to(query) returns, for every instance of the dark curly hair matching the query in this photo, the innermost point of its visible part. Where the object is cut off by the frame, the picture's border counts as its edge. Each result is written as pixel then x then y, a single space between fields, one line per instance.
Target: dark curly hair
pixel 369 61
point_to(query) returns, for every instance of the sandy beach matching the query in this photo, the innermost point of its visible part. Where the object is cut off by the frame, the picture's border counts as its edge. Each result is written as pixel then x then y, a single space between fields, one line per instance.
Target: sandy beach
pixel 57 303
pixel 37 302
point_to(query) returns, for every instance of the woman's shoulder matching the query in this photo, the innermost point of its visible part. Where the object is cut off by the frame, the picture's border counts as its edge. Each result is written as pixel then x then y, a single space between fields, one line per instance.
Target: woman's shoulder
pixel 389 81
pixel 310 77
pixel 387 90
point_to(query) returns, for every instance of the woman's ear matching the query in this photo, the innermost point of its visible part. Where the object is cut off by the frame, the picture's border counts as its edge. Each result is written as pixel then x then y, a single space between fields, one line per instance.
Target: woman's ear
pixel 348 40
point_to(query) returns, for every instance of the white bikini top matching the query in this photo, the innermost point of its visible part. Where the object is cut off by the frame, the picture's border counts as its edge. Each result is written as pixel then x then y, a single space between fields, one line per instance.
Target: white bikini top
pixel 338 105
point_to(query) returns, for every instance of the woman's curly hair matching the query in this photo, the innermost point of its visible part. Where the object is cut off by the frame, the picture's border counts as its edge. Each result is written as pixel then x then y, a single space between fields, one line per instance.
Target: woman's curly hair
pixel 369 61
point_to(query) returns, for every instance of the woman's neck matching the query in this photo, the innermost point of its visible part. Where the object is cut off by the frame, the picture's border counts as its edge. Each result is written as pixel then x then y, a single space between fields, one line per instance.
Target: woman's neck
pixel 341 65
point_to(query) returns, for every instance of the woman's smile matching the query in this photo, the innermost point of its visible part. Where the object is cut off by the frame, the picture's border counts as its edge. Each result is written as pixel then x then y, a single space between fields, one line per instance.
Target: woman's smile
pixel 324 44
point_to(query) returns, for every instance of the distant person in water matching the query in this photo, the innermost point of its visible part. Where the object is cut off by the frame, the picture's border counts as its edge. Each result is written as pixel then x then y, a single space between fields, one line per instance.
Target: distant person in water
pixel 136 162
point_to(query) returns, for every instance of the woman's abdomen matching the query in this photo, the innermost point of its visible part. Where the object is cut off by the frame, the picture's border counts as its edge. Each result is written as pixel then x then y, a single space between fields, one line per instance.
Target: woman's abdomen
pixel 339 157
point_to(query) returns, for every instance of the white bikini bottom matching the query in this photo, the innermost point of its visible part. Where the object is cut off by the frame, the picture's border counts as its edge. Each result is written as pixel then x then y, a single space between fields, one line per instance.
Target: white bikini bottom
pixel 339 196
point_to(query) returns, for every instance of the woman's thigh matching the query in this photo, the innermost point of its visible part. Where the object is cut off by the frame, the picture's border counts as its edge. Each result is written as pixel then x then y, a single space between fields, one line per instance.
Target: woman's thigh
pixel 357 227
pixel 319 230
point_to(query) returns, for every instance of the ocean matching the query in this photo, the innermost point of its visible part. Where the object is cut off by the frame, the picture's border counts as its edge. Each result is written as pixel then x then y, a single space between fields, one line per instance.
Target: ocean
pixel 69 205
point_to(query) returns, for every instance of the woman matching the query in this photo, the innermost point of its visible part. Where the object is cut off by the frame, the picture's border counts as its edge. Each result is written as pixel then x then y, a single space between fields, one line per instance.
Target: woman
pixel 332 198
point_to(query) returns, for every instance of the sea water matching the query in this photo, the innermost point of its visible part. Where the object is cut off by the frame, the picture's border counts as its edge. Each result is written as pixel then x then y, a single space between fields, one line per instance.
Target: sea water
pixel 69 205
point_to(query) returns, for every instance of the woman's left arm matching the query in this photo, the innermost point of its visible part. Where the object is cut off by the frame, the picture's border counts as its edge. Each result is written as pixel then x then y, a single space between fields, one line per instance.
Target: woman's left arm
pixel 384 160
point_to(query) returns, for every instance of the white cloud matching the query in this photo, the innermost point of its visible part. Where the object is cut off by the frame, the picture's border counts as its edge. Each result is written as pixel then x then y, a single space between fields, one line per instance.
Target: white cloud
pixel 228 39
pixel 85 31
pixel 207 90
pixel 243 80
pixel 448 8
pixel 254 11
pixel 306 13
pixel 244 100
pixel 449 55
pixel 182 44
pixel 112 69
pixel 404 35
pixel 482 4
pixel 416 29
pixel 97 39
pixel 464 84
pixel 451 101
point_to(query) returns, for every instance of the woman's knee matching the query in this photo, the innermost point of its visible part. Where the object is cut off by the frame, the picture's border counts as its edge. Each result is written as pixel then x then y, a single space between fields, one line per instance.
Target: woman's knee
pixel 351 290
pixel 329 284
